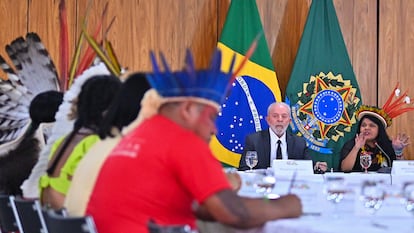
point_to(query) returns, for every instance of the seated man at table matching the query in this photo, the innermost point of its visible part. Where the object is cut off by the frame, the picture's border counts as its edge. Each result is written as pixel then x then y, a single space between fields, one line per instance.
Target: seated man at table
pixel 275 142
pixel 164 169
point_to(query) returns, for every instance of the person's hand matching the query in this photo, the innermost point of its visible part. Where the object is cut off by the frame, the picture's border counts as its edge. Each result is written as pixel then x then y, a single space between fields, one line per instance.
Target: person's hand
pixel 400 141
pixel 360 141
pixel 320 166
pixel 234 179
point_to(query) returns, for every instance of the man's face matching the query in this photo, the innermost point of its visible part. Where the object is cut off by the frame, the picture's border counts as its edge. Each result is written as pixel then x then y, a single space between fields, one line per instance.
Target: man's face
pixel 205 122
pixel 278 119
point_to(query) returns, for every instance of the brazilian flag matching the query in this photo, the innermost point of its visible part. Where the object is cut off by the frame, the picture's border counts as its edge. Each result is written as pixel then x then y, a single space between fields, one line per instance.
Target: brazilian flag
pixel 255 87
pixel 322 90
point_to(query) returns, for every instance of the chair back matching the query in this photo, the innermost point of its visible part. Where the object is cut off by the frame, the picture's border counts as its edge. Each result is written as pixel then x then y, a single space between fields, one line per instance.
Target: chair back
pixel 155 228
pixel 7 219
pixel 56 223
pixel 29 215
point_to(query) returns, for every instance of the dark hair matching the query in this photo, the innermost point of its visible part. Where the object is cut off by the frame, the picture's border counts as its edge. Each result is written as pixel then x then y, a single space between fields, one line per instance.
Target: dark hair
pixel 43 108
pixel 382 138
pixel 94 98
pixel 126 104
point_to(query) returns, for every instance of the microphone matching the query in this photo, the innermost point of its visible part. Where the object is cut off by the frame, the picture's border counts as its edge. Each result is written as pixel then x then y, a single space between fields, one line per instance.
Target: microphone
pixel 386 155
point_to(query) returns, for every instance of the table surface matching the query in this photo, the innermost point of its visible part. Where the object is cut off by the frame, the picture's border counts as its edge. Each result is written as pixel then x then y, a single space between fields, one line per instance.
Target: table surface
pixel 322 217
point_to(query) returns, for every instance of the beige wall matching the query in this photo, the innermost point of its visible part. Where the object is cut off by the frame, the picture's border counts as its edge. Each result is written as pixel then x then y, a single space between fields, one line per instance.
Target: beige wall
pixel 173 25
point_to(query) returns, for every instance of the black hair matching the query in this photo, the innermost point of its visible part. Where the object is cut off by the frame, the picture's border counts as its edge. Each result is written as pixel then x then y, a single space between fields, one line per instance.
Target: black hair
pixel 126 104
pixel 382 138
pixel 94 98
pixel 43 108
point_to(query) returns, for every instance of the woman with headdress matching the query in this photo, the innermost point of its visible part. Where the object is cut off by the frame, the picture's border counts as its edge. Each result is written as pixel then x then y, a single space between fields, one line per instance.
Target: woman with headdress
pixel 372 139
pixel 94 98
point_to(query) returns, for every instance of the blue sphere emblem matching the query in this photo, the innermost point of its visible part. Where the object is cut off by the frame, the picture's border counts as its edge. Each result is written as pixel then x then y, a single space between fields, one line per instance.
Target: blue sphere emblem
pixel 328 106
pixel 248 100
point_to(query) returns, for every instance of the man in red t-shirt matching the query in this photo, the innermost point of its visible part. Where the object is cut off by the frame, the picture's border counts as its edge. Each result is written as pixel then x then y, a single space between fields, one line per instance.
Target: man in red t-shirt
pixel 164 170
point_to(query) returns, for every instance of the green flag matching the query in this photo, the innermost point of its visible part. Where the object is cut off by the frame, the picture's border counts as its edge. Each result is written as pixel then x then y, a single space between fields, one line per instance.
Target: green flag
pixel 322 89
pixel 255 87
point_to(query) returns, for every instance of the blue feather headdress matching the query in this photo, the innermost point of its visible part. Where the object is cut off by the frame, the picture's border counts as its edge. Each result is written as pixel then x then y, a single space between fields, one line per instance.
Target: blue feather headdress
pixel 210 86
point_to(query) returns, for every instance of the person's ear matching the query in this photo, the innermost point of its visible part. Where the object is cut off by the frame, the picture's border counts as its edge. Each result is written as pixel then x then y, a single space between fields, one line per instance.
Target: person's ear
pixel 188 110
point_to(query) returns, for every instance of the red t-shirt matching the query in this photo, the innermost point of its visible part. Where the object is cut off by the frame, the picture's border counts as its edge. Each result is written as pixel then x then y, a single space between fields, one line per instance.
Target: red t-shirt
pixel 156 171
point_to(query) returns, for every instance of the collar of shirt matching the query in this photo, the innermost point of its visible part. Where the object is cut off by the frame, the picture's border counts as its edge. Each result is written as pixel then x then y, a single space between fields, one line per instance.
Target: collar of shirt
pixel 273 145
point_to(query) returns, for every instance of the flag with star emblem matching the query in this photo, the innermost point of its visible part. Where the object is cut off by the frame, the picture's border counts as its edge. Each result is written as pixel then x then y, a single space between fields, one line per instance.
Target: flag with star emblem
pixel 254 89
pixel 322 90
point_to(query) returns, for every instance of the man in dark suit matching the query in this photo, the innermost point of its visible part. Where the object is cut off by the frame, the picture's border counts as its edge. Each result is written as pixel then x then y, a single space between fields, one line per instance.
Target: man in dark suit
pixel 267 142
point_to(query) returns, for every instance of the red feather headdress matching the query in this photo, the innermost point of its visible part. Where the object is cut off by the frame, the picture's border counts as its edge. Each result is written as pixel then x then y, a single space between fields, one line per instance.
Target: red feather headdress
pixel 395 105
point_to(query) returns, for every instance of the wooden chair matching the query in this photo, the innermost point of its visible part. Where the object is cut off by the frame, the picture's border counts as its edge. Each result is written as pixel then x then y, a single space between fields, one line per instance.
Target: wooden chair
pixel 29 215
pixel 7 219
pixel 56 223
pixel 155 228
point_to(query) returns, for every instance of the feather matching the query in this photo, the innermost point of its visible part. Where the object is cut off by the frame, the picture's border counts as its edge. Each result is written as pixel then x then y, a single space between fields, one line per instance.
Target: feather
pixel 112 56
pixel 247 56
pixel 34 73
pixel 78 47
pixel 89 55
pixel 92 42
pixel 64 45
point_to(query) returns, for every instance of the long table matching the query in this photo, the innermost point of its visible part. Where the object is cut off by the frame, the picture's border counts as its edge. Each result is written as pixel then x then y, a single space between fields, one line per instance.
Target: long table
pixel 320 216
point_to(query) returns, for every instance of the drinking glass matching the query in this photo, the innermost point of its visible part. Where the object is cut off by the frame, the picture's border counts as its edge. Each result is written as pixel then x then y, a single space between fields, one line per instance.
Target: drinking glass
pixel 335 190
pixel 365 161
pixel 408 193
pixel 251 159
pixel 373 194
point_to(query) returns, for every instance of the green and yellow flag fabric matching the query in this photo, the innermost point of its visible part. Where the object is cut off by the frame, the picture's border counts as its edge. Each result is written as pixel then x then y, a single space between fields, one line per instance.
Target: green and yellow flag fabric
pixel 322 90
pixel 255 87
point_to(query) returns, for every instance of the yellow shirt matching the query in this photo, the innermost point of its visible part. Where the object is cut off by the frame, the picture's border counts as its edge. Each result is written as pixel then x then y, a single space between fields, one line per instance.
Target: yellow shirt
pixel 62 182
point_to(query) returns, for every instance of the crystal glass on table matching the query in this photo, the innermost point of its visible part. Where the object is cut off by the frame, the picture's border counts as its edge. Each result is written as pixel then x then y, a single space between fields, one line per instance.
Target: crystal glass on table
pixel 365 161
pixel 251 159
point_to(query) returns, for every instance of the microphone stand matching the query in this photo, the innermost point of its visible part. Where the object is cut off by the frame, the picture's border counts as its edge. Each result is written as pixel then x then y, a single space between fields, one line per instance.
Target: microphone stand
pixel 385 154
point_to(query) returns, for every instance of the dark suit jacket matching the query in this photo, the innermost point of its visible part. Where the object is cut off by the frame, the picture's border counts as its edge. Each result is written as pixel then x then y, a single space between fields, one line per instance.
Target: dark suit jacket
pixel 260 142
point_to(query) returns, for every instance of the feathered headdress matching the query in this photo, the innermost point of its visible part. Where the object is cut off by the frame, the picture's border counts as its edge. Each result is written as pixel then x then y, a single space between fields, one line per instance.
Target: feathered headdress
pixel 396 105
pixel 210 86
pixel 35 72
pixel 206 86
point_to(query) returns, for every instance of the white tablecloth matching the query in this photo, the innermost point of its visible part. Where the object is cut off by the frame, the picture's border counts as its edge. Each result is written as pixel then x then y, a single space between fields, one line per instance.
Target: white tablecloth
pixel 341 224
pixel 319 215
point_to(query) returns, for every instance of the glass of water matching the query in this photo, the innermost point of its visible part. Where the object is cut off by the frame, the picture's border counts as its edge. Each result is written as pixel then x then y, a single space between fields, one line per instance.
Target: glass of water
pixel 251 159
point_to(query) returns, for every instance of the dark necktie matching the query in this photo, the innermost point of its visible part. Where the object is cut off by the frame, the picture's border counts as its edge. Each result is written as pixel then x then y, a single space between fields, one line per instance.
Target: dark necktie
pixel 279 150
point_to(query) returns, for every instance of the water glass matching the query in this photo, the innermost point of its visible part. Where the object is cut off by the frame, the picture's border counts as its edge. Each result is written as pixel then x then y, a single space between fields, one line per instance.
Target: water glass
pixel 251 159
pixel 365 161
